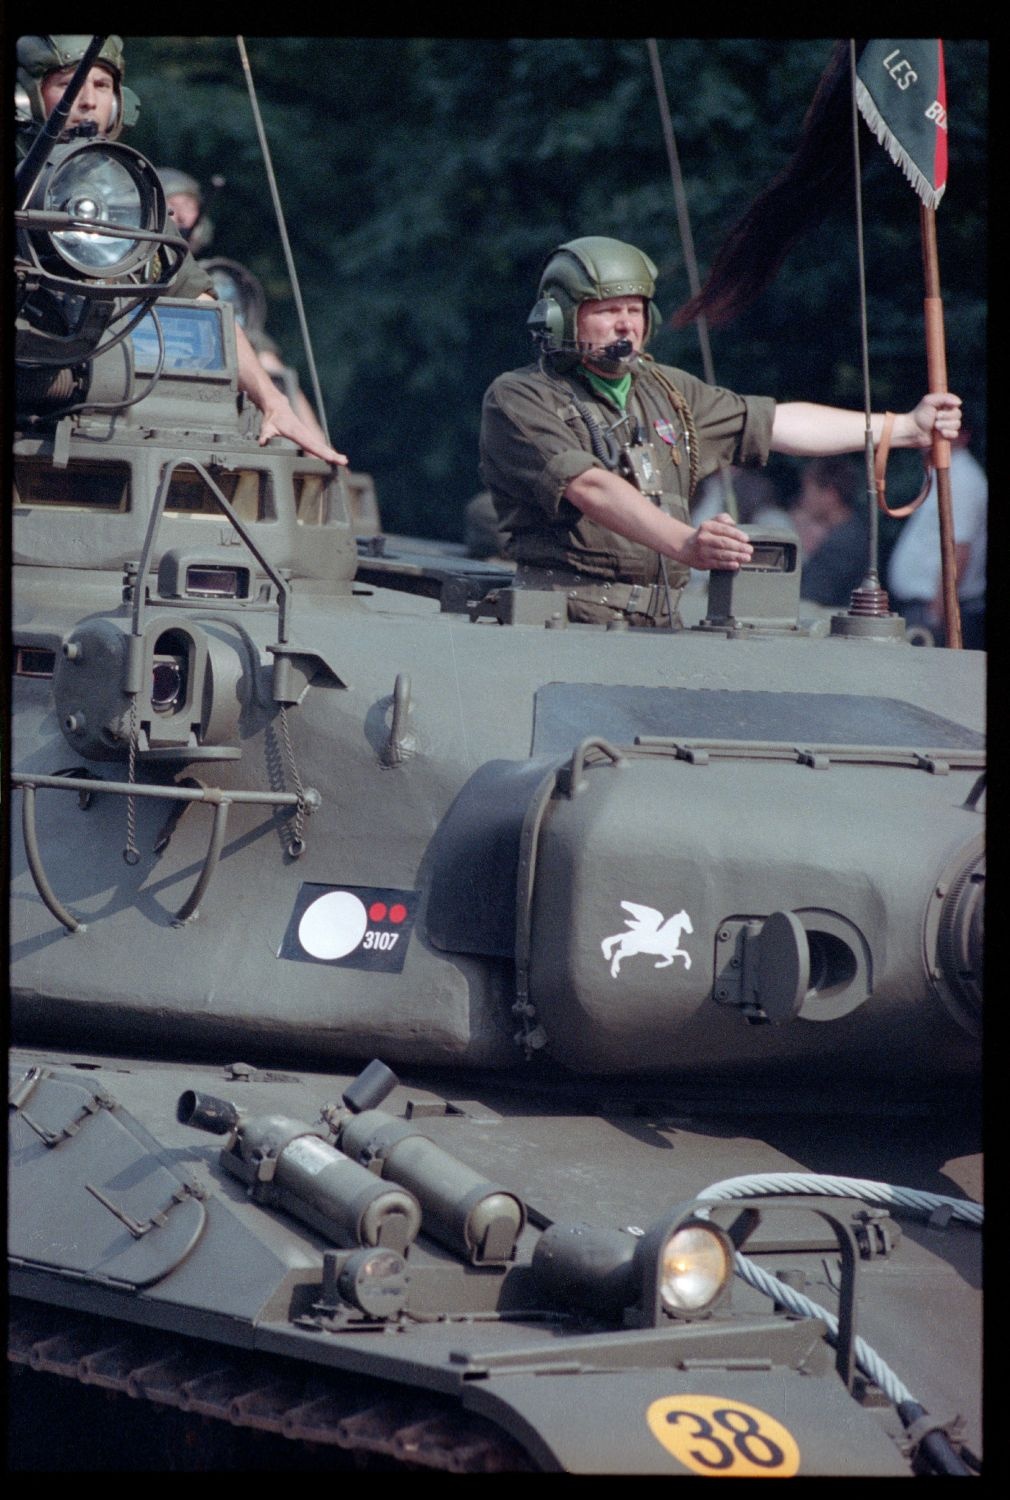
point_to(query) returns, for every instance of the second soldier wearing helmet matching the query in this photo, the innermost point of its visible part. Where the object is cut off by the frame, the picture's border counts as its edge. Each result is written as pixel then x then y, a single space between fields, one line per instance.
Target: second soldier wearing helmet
pixel 184 198
pixel 102 107
pixel 592 453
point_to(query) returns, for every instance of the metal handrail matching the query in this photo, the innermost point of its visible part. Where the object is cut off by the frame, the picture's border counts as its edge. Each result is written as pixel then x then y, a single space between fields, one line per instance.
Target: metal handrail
pixel 220 800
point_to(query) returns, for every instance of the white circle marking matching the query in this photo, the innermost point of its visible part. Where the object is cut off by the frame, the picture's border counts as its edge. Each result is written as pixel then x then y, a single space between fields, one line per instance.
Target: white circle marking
pixel 333 925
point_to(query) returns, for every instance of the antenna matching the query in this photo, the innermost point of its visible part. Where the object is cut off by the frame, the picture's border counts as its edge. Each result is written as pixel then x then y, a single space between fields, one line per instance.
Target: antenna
pixel 680 198
pixel 687 245
pixel 864 338
pixel 289 258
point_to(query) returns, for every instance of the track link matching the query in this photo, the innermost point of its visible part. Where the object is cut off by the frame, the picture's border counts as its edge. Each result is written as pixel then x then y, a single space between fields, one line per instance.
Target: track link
pixel 271 1395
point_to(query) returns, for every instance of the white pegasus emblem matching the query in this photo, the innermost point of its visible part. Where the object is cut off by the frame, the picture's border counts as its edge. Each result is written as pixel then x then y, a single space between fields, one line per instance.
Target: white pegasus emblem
pixel 648 933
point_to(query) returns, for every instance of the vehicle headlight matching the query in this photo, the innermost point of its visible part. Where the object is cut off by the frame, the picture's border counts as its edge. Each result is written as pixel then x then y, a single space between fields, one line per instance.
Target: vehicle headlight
pixel 695 1266
pixel 681 1267
pixel 684 1267
pixel 99 183
pixel 375 1282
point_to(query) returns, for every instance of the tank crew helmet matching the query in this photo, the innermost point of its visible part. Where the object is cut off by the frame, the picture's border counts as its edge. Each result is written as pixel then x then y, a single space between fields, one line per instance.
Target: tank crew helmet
pixel 198 232
pixel 236 284
pixel 38 56
pixel 588 270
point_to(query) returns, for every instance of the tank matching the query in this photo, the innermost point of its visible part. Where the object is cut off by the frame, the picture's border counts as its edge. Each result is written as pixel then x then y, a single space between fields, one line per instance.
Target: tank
pixel 442 1036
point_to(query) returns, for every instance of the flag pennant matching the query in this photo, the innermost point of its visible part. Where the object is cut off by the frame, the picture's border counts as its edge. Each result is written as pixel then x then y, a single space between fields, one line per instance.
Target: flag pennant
pixel 902 96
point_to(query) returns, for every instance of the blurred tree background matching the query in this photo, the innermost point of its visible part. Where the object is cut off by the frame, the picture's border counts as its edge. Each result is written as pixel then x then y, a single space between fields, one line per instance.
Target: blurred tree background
pixel 424 181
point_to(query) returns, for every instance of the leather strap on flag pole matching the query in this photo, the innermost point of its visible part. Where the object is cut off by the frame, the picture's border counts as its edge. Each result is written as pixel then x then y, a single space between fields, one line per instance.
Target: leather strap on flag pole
pixel 880 457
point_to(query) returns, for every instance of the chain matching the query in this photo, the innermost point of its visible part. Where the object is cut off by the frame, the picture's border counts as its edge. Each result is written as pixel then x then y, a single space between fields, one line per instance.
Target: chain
pixel 296 844
pixel 131 853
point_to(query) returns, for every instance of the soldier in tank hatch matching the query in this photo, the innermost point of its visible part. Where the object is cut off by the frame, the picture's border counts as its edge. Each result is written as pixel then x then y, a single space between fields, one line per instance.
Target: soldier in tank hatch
pixel 46 65
pixel 184 200
pixel 593 452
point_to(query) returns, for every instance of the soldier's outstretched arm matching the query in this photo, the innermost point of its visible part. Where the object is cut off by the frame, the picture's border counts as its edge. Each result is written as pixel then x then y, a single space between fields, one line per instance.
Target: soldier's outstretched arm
pixel 279 417
pixel 806 430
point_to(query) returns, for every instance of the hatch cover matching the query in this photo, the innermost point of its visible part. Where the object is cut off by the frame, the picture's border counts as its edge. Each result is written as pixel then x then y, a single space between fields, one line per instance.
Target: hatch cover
pixel 567 712
pixel 89 1191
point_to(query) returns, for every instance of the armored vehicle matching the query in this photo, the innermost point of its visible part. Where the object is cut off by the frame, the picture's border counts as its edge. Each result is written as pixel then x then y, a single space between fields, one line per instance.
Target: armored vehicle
pixel 444 1036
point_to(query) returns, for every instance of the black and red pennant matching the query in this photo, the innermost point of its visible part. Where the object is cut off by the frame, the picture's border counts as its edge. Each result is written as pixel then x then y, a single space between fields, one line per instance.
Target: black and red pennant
pixel 902 95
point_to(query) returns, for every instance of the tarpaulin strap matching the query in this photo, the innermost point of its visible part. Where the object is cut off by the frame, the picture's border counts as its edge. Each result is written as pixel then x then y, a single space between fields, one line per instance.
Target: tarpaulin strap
pixel 880 473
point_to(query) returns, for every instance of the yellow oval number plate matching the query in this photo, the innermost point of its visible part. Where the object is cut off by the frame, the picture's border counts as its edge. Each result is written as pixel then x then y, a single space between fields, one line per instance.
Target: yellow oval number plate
pixel 718 1436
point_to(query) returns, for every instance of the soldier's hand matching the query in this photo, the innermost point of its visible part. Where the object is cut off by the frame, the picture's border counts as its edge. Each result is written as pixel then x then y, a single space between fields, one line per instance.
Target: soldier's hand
pixel 718 543
pixel 940 410
pixel 282 421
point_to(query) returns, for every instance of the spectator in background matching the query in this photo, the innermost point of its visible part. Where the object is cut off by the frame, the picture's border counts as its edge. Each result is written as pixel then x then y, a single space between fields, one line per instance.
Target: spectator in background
pixel 829 517
pixel 914 576
pixel 757 499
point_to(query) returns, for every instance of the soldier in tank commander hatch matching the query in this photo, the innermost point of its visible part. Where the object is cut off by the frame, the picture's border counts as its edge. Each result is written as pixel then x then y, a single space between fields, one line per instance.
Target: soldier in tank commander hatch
pixel 45 66
pixel 593 452
pixel 184 200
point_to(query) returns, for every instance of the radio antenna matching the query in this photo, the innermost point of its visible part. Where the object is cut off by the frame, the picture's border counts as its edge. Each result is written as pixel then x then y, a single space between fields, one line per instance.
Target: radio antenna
pixel 687 244
pixel 292 273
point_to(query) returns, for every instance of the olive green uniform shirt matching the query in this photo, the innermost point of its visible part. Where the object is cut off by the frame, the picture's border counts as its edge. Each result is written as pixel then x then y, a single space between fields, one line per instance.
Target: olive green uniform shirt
pixel 534 442
pixel 191 280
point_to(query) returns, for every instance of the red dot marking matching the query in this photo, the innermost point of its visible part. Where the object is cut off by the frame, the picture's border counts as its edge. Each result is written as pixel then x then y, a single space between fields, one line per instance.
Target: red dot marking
pixel 377 911
pixel 397 913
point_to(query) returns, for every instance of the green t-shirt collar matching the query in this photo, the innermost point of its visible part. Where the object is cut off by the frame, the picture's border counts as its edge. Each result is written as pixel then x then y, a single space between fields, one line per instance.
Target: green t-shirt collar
pixel 614 390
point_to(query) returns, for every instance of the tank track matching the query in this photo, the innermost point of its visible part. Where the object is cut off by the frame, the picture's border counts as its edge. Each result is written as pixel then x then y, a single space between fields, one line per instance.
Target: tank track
pixel 312 1406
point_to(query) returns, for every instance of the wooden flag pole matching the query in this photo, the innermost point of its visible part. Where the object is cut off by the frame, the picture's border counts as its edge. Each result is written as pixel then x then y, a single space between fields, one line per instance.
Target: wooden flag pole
pixel 936 366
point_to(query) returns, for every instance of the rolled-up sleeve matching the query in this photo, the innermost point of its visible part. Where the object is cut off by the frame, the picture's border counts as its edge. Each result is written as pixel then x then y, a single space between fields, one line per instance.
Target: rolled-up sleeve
pixel 529 450
pixel 731 429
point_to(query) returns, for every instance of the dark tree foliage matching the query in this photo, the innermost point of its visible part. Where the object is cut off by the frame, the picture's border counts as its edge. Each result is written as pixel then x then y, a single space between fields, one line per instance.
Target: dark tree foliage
pixel 424 180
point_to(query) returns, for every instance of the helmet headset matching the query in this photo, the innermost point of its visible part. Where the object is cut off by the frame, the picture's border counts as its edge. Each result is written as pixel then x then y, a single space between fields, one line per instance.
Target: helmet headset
pixel 38 56
pixel 590 269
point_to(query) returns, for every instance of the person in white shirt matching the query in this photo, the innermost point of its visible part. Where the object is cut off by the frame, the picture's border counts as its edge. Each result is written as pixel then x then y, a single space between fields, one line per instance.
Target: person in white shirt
pixel 914 576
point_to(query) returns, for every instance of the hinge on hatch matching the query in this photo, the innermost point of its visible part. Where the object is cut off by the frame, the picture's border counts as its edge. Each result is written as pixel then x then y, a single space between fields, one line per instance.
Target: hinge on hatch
pixel 22 1092
pixel 876 1232
pixel 137 1227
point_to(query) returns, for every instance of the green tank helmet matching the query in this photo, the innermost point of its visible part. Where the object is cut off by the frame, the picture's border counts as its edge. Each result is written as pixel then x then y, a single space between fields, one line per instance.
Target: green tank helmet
pixel 38 56
pixel 198 233
pixel 174 181
pixel 236 284
pixel 589 270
